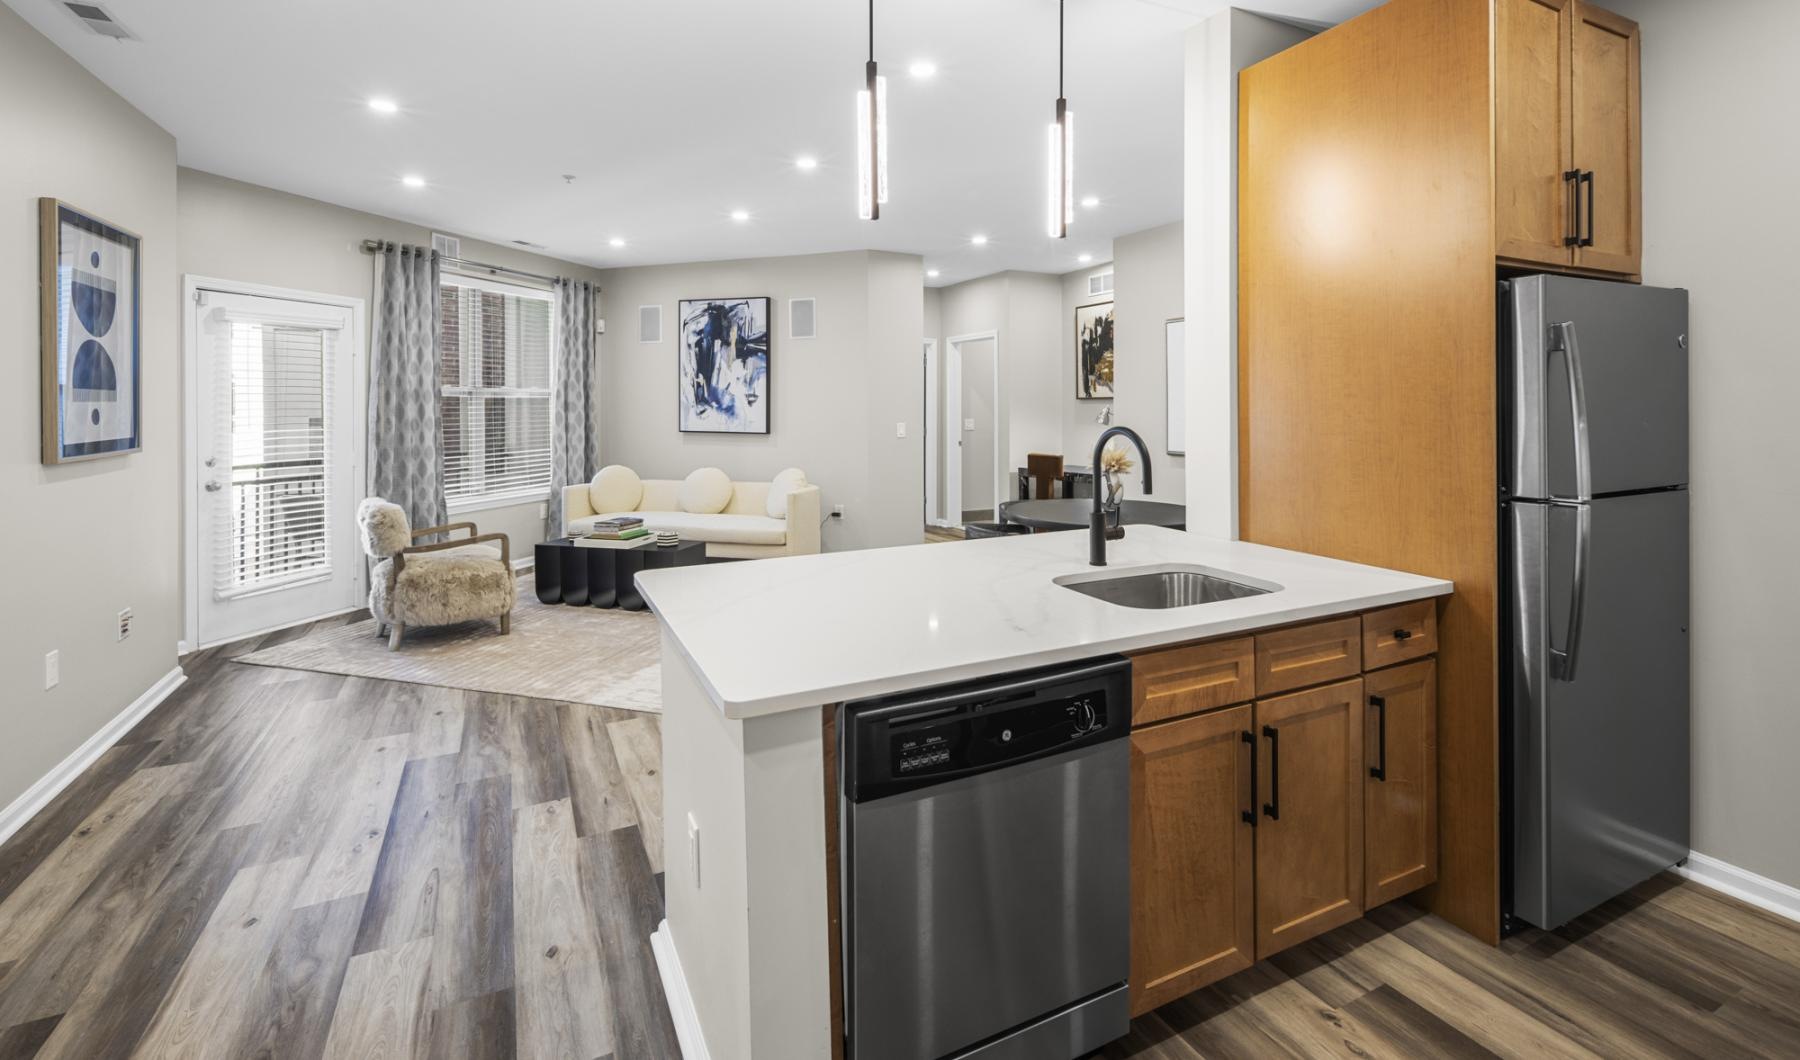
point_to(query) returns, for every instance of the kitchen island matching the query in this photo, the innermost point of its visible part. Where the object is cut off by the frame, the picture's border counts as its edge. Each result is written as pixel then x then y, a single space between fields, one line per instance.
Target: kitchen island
pixel 756 656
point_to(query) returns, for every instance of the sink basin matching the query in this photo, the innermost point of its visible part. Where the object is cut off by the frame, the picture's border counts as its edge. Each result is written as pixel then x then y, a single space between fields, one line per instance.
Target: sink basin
pixel 1165 586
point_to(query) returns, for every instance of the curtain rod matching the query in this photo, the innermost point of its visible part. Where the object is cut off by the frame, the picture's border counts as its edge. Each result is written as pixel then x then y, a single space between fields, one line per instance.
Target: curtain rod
pixel 370 246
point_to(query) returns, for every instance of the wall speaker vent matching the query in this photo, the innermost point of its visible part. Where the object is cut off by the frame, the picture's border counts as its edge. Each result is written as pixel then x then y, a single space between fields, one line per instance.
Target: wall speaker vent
pixel 649 323
pixel 99 20
pixel 803 318
pixel 446 246
pixel 1101 284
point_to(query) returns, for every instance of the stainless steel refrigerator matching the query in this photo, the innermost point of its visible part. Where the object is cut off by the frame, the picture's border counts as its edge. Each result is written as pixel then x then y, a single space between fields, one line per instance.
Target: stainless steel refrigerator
pixel 1594 527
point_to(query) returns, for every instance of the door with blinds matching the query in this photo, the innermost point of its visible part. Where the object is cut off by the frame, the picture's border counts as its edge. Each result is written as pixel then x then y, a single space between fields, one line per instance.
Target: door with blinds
pixel 275 511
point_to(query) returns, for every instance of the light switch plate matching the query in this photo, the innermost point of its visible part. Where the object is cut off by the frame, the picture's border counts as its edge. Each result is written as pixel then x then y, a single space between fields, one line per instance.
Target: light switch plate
pixel 900 429
pixel 52 669
pixel 968 425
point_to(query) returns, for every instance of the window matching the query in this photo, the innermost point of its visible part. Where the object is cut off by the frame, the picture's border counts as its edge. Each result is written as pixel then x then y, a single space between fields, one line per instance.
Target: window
pixel 494 366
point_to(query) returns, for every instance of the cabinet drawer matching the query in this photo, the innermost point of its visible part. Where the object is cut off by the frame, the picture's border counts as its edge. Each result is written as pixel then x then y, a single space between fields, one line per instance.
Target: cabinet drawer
pixel 1396 634
pixel 1308 655
pixel 1186 680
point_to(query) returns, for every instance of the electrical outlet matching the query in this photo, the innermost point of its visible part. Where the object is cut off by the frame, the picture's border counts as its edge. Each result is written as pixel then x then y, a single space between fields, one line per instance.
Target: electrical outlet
pixel 543 511
pixel 124 623
pixel 900 429
pixel 837 511
pixel 52 669
pixel 694 850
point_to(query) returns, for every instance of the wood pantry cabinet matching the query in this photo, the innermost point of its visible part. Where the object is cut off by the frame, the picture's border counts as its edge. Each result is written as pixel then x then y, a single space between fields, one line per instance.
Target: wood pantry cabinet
pixel 1567 157
pixel 1254 823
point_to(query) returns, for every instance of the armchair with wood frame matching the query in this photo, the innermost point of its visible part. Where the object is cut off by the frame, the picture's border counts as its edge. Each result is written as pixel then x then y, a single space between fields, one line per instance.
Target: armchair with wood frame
pixel 434 584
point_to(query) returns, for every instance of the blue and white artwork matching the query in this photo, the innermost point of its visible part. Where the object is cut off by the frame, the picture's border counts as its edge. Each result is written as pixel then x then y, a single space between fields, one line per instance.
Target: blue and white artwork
pixel 91 399
pixel 724 376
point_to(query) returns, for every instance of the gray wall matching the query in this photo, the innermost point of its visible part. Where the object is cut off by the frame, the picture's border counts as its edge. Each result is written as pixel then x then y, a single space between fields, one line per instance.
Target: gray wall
pixel 1714 78
pixel 82 540
pixel 230 230
pixel 834 399
pixel 1147 294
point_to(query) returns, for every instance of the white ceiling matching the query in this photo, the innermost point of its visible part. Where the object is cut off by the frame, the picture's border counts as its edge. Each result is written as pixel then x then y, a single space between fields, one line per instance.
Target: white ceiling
pixel 673 113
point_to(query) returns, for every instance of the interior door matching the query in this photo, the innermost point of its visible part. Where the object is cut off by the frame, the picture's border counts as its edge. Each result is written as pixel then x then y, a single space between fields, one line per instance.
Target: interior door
pixel 274 491
pixel 1604 88
pixel 932 429
pixel 950 439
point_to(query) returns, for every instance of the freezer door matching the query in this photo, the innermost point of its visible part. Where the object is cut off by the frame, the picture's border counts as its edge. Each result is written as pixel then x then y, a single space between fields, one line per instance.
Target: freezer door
pixel 1600 699
pixel 1598 371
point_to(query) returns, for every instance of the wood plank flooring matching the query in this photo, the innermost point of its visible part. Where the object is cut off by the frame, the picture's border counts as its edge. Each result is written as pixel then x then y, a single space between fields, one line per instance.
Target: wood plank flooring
pixel 287 864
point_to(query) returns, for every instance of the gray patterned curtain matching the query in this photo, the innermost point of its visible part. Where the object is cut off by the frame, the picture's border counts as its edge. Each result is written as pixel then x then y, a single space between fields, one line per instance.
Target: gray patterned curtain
pixel 406 460
pixel 574 449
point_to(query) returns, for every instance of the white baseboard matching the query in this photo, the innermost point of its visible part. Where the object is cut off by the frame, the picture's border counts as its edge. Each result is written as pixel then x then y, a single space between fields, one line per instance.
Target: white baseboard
pixel 51 784
pixel 1759 891
pixel 675 988
pixel 523 564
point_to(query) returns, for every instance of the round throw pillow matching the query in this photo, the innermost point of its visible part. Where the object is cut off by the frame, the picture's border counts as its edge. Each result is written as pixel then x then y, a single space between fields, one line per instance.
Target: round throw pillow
pixel 784 483
pixel 616 488
pixel 706 491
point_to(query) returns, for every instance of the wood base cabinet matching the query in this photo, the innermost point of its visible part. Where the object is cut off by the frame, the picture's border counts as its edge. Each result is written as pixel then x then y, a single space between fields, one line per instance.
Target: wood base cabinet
pixel 1258 825
pixel 1192 904
pixel 1309 839
pixel 1400 823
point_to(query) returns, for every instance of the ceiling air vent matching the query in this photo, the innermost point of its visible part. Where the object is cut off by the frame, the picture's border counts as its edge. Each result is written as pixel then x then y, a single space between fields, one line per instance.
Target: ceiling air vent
pixel 446 246
pixel 1101 284
pixel 97 19
pixel 529 245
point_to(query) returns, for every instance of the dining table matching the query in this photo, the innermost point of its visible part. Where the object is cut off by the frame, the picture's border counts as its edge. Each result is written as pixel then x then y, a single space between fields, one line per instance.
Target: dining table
pixel 1072 513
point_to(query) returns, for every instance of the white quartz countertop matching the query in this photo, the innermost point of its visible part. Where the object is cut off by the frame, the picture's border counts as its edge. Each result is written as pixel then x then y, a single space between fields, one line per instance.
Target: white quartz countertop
pixel 776 634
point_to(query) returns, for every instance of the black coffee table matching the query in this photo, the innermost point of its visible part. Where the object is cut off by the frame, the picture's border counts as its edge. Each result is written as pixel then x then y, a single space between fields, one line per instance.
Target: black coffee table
pixel 590 576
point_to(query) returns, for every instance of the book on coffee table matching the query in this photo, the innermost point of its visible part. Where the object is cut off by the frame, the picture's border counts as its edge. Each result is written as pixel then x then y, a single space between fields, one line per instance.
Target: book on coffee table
pixel 614 542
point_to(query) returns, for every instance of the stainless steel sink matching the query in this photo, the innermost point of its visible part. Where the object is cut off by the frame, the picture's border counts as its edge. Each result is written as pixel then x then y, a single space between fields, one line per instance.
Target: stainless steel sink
pixel 1165 586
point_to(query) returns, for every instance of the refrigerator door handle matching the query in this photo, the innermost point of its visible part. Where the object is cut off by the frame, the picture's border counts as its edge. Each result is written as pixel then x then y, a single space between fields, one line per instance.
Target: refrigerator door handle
pixel 1562 660
pixel 1565 341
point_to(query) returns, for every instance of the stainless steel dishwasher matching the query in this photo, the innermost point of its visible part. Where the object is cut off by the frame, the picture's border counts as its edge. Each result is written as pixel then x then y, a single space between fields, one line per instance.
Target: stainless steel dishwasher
pixel 986 867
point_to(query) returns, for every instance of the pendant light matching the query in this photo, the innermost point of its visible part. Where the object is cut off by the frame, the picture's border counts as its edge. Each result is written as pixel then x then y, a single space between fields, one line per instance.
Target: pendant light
pixel 871 136
pixel 1062 149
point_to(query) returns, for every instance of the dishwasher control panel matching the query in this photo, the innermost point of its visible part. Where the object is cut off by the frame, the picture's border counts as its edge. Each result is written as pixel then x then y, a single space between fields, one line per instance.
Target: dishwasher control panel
pixel 893 746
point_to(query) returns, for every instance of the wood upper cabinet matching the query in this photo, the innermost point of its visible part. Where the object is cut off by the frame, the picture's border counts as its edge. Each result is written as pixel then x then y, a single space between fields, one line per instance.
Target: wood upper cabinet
pixel 1400 781
pixel 1566 137
pixel 1192 897
pixel 1533 200
pixel 1309 832
pixel 1604 92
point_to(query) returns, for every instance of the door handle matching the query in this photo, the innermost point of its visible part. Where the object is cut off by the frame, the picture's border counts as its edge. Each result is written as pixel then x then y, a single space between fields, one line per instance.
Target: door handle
pixel 1249 740
pixel 1272 808
pixel 1572 182
pixel 1379 771
pixel 1587 177
pixel 213 487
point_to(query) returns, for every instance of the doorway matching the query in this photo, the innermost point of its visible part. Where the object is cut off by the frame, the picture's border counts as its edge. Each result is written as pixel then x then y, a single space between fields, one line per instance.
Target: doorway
pixel 970 431
pixel 273 433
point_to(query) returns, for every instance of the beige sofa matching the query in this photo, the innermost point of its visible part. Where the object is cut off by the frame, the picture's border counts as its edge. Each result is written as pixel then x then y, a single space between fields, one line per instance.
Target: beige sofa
pixel 737 520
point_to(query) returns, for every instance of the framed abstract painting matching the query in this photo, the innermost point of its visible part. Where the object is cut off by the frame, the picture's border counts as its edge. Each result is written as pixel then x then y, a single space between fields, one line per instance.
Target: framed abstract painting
pixel 90 319
pixel 723 383
pixel 1094 351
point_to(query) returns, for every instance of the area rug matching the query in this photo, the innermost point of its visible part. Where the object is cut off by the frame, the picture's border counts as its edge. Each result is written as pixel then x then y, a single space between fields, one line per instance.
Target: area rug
pixel 599 656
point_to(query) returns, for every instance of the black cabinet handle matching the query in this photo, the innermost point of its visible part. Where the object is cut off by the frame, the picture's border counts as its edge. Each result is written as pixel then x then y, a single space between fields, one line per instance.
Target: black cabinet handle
pixel 1249 739
pixel 1272 808
pixel 1379 772
pixel 1587 177
pixel 1403 634
pixel 1573 179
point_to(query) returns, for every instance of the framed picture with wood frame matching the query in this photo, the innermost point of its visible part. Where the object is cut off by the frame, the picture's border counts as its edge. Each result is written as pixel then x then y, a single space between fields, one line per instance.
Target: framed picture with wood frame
pixel 90 321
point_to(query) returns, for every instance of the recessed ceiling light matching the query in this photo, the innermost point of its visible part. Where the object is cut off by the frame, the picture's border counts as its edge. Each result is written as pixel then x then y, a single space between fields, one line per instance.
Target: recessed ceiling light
pixel 922 69
pixel 615 242
pixel 413 180
pixel 978 240
pixel 740 215
pixel 931 274
pixel 1090 201
pixel 1084 258
pixel 383 105
pixel 806 163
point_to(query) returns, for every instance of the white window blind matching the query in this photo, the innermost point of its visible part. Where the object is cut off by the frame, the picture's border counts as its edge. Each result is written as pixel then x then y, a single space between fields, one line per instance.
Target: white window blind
pixel 494 367
pixel 272 389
